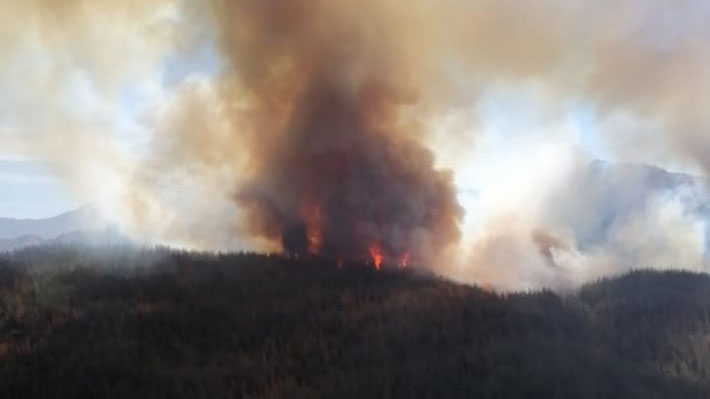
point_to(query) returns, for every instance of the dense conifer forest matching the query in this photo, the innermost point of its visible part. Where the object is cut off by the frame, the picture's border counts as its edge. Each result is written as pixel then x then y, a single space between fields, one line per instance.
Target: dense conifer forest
pixel 154 323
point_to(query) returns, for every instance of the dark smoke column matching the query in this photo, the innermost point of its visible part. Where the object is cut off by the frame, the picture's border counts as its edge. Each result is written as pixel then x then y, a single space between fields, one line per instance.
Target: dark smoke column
pixel 333 173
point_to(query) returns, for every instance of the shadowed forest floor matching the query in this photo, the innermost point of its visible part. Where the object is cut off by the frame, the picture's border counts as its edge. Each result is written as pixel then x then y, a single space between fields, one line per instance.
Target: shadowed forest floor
pixel 123 322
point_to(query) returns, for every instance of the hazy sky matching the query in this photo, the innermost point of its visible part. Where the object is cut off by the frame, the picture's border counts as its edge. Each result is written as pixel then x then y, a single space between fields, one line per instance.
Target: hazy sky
pixel 510 114
pixel 31 184
pixel 32 189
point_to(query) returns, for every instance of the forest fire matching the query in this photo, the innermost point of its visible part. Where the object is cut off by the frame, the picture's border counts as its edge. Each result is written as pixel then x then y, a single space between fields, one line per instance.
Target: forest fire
pixel 379 260
pixel 376 255
pixel 314 236
pixel 404 261
pixel 334 166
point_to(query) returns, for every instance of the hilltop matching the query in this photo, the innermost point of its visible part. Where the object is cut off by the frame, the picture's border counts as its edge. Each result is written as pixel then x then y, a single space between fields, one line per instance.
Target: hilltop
pixel 123 322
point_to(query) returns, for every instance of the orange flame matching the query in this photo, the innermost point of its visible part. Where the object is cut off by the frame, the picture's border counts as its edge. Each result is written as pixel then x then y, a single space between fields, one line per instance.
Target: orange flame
pixel 313 219
pixel 404 260
pixel 376 254
pixel 315 241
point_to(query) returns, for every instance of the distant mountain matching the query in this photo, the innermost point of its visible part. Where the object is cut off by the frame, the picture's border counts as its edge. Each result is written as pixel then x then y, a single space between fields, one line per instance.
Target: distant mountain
pixel 84 218
pixel 82 226
pixel 603 196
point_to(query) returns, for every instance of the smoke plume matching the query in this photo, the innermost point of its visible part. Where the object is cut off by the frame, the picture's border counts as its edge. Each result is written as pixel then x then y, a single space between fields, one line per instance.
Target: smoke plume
pixel 334 170
pixel 460 135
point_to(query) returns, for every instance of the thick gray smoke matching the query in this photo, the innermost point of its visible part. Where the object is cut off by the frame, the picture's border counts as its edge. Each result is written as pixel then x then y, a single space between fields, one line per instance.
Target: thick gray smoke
pixel 337 176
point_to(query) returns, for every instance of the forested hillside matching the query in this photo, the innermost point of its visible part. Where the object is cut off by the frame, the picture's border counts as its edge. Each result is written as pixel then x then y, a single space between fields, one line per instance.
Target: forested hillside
pixel 123 322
